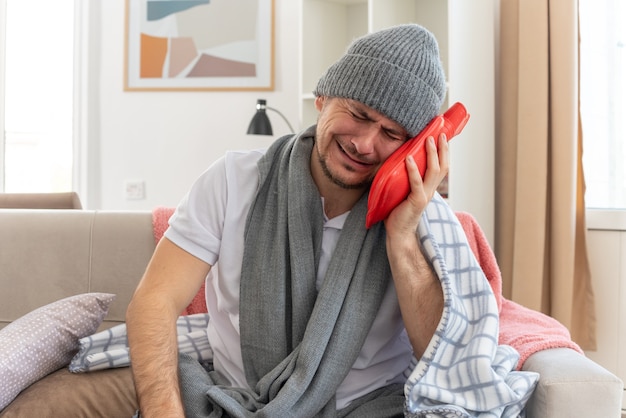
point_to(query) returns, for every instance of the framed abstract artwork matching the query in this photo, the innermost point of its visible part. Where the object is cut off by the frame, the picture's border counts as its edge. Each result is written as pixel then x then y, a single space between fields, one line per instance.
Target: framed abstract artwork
pixel 199 45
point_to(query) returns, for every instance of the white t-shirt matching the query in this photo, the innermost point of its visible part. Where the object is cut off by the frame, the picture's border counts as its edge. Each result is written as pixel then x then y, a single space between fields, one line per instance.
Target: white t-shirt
pixel 209 223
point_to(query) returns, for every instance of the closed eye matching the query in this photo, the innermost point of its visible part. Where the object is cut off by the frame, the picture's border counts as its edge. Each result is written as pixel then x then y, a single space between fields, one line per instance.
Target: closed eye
pixel 395 135
pixel 360 116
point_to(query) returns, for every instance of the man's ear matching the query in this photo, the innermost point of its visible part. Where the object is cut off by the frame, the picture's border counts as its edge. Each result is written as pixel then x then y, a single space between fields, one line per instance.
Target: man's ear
pixel 319 102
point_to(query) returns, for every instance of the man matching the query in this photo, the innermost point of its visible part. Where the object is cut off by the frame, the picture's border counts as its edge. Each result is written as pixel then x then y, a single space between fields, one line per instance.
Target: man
pixel 311 313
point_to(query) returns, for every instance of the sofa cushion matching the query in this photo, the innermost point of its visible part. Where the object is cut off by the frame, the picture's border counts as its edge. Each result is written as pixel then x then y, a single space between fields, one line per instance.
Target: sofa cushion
pixel 46 339
pixel 101 394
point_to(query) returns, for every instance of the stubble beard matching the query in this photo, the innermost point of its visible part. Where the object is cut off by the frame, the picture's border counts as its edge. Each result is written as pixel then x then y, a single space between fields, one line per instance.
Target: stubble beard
pixel 336 180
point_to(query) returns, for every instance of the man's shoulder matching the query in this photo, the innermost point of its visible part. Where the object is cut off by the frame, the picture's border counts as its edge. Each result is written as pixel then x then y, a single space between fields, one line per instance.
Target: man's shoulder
pixel 240 167
pixel 238 157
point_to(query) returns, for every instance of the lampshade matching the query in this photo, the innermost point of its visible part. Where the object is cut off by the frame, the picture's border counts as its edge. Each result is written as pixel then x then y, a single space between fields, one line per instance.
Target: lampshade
pixel 260 123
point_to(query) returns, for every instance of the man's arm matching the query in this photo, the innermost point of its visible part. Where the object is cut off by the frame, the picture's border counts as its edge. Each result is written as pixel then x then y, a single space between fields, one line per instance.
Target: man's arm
pixel 419 292
pixel 172 279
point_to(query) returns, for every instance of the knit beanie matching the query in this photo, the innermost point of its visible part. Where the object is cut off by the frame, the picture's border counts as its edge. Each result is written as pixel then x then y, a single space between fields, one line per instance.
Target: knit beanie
pixel 396 71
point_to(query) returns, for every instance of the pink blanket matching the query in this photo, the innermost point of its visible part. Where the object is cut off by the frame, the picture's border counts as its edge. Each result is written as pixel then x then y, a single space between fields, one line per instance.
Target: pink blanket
pixel 526 330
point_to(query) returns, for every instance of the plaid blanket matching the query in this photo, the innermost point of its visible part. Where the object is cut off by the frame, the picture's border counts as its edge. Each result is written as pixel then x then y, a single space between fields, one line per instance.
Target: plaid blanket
pixel 109 349
pixel 464 372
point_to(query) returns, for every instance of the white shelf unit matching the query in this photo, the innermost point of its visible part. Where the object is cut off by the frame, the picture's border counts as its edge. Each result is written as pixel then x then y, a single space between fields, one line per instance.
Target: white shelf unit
pixel 329 26
pixel 466 35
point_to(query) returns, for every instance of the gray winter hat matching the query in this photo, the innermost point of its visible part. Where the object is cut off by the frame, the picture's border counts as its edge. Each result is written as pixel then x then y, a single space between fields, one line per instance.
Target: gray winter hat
pixel 396 71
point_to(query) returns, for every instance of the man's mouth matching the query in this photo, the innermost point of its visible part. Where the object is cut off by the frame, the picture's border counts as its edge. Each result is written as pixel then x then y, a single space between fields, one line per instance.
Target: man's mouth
pixel 351 156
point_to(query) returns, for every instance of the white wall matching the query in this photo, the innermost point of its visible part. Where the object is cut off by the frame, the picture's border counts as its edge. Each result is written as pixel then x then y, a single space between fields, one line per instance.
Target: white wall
pixel 168 138
pixel 471 82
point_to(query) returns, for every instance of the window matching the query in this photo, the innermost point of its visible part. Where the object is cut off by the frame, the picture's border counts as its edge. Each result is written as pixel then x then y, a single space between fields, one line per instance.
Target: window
pixel 603 101
pixel 36 148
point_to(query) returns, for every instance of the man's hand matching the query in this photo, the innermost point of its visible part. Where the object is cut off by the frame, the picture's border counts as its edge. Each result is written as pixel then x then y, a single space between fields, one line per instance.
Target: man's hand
pixel 172 279
pixel 419 291
pixel 405 217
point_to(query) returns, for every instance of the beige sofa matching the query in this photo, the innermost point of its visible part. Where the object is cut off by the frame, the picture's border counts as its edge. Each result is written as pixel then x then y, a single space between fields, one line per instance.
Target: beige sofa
pixel 46 255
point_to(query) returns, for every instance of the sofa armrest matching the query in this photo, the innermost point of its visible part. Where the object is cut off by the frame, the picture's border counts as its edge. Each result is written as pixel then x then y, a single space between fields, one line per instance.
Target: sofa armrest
pixel 572 385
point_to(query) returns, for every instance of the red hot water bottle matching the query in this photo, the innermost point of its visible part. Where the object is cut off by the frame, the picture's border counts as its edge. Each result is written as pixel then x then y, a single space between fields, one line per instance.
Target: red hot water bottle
pixel 391 184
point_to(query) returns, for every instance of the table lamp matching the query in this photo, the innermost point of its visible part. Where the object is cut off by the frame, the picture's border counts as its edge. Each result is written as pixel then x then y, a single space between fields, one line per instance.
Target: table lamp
pixel 260 123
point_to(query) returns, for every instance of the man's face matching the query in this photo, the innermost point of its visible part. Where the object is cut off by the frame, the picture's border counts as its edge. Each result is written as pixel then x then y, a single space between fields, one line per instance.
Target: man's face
pixel 353 140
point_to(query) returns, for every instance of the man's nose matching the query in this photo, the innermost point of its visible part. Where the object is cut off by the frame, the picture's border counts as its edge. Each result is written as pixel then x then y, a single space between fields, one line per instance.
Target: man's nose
pixel 364 142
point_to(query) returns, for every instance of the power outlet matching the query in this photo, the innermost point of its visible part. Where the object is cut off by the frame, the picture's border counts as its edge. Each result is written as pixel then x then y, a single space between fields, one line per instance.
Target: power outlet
pixel 135 189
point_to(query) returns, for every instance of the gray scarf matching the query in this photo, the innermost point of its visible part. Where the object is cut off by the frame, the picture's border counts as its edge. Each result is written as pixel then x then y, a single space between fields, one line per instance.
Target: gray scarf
pixel 298 345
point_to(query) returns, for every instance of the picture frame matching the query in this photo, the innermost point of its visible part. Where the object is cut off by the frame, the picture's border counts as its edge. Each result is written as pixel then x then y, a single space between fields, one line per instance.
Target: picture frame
pixel 203 45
